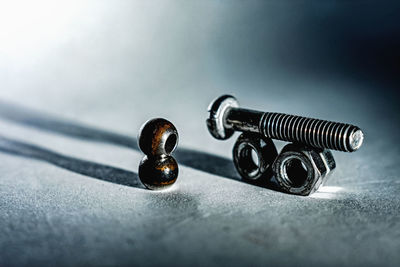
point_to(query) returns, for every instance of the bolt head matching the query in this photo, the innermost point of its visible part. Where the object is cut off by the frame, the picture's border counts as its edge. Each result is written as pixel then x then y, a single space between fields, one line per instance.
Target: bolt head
pixel 217 116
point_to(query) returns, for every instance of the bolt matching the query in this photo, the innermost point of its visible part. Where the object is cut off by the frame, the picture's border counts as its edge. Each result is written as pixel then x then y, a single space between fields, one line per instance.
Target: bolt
pixel 226 117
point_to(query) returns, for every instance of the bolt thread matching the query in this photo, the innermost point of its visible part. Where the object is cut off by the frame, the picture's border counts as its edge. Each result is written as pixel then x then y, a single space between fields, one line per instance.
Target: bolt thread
pixel 311 132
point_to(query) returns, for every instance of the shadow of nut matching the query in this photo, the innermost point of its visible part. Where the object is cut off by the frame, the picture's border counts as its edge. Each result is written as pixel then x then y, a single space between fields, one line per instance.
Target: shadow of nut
pixel 301 170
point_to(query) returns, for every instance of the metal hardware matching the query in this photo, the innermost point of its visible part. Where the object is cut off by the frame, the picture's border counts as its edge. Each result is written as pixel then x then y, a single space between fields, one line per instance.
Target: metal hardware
pixel 158 138
pixel 225 117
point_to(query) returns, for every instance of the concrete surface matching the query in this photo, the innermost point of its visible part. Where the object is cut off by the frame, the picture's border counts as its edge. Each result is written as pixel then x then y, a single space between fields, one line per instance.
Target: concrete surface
pixel 71 108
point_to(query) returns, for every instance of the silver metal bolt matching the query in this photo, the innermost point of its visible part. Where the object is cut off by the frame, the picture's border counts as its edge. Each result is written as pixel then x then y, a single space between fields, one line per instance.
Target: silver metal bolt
pixel 226 117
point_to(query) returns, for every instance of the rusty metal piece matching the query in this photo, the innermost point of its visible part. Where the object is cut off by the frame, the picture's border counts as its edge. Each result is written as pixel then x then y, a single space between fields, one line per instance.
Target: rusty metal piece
pixel 158 172
pixel 158 138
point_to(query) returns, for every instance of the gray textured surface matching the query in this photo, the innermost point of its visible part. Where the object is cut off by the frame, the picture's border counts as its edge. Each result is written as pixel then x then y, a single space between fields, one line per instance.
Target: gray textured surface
pixel 72 102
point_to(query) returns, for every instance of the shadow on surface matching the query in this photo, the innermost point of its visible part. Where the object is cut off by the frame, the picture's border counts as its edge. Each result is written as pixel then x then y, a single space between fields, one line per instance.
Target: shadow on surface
pixel 49 123
pixel 88 168
pixel 202 161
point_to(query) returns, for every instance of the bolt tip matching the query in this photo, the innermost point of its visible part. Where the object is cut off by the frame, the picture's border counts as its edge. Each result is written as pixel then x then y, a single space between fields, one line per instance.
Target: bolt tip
pixel 356 139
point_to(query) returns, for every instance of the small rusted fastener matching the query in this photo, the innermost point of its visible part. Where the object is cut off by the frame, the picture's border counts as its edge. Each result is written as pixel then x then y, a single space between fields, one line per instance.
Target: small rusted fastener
pixel 158 138
pixel 225 117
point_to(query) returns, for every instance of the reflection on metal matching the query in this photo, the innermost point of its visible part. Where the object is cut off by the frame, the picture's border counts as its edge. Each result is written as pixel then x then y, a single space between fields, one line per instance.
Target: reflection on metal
pixel 327 192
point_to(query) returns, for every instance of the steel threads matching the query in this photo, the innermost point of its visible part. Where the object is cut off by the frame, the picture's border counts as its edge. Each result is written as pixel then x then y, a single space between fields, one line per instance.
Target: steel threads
pixel 312 132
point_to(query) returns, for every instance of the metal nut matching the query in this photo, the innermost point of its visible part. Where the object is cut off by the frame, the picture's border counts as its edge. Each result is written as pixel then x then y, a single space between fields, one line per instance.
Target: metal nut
pixel 302 170
pixel 265 151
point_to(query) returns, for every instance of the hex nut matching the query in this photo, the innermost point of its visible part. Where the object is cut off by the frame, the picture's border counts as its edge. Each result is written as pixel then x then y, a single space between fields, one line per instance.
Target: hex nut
pixel 301 170
pixel 265 151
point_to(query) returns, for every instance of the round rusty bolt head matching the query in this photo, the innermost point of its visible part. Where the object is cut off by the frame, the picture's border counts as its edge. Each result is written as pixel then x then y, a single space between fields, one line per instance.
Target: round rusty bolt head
pixel 158 137
pixel 158 173
pixel 216 121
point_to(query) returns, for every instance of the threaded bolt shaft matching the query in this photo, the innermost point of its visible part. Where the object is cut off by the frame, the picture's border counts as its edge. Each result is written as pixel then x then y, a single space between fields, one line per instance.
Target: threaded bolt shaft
pixel 226 117
pixel 312 132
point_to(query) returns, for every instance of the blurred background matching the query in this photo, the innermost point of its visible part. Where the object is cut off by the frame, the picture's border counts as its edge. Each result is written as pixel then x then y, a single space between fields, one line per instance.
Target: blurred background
pixel 114 64
pixel 96 51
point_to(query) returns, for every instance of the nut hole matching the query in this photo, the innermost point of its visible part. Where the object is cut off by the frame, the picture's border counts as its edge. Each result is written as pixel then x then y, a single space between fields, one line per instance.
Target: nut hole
pixel 170 144
pixel 295 172
pixel 249 160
